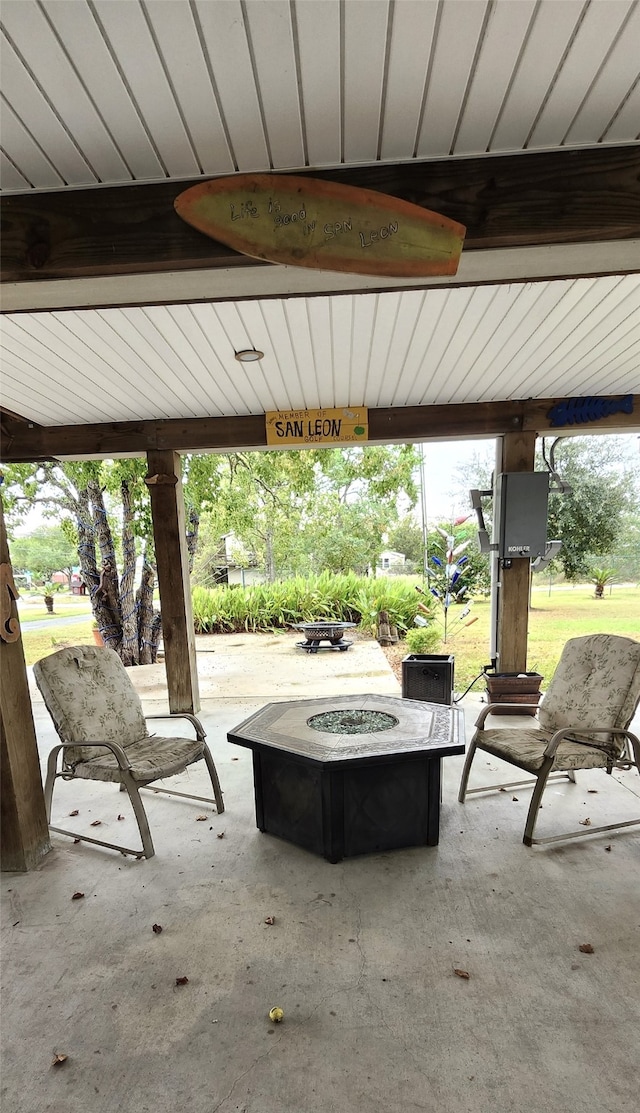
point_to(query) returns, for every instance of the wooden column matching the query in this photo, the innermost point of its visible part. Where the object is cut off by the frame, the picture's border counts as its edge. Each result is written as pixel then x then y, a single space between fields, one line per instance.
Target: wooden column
pixel 23 822
pixel 172 561
pixel 514 452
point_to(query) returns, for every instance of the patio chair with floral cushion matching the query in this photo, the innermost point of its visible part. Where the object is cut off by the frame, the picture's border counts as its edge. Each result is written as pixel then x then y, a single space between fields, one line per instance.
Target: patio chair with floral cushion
pixel 582 723
pixel 98 716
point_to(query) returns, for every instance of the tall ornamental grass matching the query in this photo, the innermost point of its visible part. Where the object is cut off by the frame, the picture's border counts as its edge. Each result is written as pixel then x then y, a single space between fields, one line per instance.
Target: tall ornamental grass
pixel 342 598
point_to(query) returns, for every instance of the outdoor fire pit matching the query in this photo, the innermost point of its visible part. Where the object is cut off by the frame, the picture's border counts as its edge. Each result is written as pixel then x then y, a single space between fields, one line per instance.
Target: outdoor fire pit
pixel 352 774
pixel 317 632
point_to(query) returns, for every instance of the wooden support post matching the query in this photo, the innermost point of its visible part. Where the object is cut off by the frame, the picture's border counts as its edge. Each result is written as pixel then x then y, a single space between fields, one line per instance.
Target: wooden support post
pixel 514 452
pixel 172 561
pixel 23 821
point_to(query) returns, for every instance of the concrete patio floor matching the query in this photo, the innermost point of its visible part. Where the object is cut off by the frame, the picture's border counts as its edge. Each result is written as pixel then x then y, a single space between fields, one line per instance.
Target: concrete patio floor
pixel 361 955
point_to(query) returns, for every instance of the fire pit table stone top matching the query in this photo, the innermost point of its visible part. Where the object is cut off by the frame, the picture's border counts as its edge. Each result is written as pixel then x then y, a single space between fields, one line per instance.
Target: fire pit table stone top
pixel 416 726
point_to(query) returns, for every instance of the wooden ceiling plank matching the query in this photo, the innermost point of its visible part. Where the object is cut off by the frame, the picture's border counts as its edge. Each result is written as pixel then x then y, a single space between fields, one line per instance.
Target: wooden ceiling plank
pixel 270 31
pixel 318 37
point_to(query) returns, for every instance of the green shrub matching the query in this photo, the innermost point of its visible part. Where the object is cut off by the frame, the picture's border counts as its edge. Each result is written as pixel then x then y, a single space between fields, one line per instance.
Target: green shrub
pixel 423 639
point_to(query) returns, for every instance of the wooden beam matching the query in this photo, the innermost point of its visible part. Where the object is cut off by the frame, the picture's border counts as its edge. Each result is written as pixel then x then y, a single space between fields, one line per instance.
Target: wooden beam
pixel 172 561
pixel 23 822
pixel 514 452
pixel 24 441
pixel 520 200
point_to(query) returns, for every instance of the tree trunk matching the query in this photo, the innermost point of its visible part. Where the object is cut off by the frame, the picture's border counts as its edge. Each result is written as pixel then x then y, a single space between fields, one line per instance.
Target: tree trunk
pixel 193 525
pixel 270 566
pixel 130 648
pixel 144 599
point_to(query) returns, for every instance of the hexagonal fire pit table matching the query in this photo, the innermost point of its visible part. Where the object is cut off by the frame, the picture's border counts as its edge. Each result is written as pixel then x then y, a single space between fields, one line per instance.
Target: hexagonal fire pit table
pixel 351 774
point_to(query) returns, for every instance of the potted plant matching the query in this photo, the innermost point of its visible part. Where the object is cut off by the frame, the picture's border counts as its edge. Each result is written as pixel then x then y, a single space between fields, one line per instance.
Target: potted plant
pixel 97 636
pixel 48 597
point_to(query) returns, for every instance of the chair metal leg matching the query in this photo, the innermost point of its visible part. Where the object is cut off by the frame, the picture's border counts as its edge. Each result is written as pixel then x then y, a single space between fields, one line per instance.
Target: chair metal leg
pixel 534 806
pixel 50 781
pixel 213 773
pixel 131 787
pixel 465 772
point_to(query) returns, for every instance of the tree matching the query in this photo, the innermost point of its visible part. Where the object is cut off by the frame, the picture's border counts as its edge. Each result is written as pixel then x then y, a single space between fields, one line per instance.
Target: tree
pixel 79 494
pixel 604 486
pixel 406 537
pixel 46 550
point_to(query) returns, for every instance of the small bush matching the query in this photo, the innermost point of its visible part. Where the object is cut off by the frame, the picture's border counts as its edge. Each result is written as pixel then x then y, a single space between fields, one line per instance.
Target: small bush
pixel 423 639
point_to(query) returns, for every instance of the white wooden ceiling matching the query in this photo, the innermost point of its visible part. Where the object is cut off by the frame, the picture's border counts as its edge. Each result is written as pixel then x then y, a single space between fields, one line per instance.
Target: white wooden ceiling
pixel 102 92
pixel 110 91
pixel 411 348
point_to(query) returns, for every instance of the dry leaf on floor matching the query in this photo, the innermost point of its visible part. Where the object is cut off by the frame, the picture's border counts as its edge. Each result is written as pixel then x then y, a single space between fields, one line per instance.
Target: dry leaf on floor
pixel 608 847
pixel 586 948
pixel 220 835
pixel 270 920
pixel 514 798
pixel 235 759
pixel 77 896
pixel 96 823
pixel 77 840
pixel 120 817
pixel 585 822
pixel 58 1058
pixel 502 790
pixel 201 818
pixel 74 812
pixel 182 981
pixel 461 973
pixel 157 928
pixel 593 790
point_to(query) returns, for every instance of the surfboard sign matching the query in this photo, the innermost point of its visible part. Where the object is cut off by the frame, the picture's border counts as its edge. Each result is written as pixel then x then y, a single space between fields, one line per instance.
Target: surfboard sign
pixel 307 222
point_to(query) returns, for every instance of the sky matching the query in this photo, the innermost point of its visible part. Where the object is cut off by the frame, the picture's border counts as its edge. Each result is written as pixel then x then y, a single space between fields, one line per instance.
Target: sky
pixel 443 495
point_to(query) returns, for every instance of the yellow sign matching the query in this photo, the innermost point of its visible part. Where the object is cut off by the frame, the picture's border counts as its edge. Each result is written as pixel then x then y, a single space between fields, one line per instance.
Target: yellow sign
pixel 286 428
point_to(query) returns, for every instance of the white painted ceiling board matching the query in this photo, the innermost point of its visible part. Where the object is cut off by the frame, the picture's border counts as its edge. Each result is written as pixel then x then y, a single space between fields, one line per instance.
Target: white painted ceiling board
pixel 76 26
pixel 33 37
pixel 184 356
pixel 145 75
pixel 320 329
pixel 40 121
pixel 365 43
pixel 506 31
pixel 408 369
pixel 284 378
pixel 459 30
pixel 271 36
pixel 456 364
pixel 21 147
pixel 225 38
pixel 626 125
pixel 297 323
pixel 361 338
pixel 9 173
pixel 209 394
pixel 407 69
pixel 608 92
pixel 176 34
pixel 226 375
pixel 553 25
pixel 594 38
pixel 318 36
pixel 386 312
pixel 341 313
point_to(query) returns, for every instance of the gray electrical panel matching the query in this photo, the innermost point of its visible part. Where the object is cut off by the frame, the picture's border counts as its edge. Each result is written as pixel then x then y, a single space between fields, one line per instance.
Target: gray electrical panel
pixel 520 514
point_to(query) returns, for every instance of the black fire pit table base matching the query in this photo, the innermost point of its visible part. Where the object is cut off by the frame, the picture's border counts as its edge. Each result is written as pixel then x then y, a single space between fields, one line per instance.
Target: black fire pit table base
pixel 342 794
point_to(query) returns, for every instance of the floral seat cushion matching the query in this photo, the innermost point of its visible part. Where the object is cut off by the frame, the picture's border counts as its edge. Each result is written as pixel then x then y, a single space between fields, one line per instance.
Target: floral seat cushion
pixel 525 748
pixel 151 758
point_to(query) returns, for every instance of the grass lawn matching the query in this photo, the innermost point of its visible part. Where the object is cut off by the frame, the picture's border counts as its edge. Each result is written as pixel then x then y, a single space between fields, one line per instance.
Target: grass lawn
pixel 567 612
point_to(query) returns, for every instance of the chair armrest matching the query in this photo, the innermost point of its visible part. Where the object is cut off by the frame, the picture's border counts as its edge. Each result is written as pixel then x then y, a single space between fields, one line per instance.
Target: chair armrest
pixel 493 708
pixel 120 754
pixel 556 738
pixel 196 724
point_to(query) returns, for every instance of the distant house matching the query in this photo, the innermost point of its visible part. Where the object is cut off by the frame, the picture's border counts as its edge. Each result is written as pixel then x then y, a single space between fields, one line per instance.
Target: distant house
pixel 234 565
pixel 390 561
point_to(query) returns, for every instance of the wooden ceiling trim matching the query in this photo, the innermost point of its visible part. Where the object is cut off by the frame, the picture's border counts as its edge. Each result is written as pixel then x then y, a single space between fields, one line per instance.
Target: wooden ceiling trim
pixel 530 199
pixel 24 441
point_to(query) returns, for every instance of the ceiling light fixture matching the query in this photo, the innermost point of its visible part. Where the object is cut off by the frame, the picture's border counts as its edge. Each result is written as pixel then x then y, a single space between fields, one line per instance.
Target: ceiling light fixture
pixel 249 355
